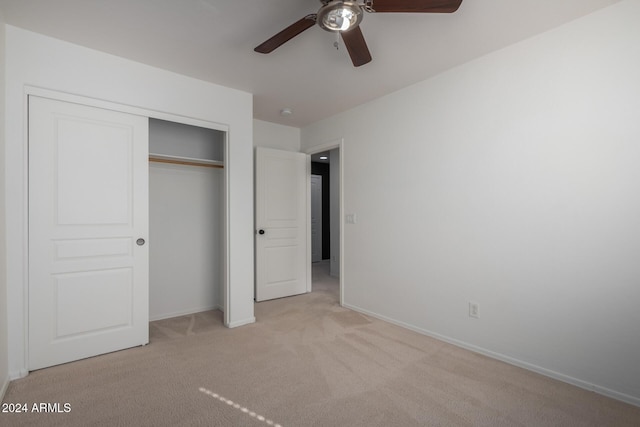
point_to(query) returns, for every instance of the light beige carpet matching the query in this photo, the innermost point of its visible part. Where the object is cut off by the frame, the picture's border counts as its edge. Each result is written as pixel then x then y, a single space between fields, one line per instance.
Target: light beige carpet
pixel 306 362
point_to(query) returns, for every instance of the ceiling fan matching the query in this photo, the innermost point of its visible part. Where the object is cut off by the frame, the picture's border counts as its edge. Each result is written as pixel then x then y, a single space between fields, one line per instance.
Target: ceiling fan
pixel 344 17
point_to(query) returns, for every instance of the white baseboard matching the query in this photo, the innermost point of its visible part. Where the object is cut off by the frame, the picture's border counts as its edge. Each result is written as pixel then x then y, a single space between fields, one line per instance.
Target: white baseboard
pixel 3 388
pixel 507 359
pixel 182 313
pixel 12 376
pixel 241 322
pixel 19 374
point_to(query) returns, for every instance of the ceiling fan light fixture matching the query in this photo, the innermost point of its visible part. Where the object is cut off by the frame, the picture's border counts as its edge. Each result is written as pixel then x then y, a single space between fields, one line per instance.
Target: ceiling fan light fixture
pixel 339 16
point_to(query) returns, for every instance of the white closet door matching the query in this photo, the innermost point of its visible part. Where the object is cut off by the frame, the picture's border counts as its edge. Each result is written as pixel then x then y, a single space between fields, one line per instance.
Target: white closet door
pixel 88 226
pixel 283 259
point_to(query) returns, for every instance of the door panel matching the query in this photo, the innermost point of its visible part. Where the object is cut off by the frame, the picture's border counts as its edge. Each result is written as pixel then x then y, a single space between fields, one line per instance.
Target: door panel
pixel 88 203
pixel 282 212
pixel 106 301
pixel 93 173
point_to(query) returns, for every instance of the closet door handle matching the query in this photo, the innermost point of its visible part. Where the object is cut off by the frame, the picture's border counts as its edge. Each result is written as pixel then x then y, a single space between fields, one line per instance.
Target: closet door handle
pixel 261 231
pixel 140 242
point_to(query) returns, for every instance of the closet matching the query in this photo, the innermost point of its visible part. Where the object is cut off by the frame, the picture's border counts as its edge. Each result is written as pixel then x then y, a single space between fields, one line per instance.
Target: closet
pixel 186 219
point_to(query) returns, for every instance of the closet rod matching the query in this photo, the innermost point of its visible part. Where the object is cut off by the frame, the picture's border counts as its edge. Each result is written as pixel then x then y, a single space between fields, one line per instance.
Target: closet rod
pixel 185 162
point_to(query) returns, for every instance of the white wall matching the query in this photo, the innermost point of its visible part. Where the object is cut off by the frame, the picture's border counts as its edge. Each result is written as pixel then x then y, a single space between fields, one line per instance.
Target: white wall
pixel 41 61
pixel 177 139
pixel 512 181
pixel 186 239
pixel 4 348
pixel 272 135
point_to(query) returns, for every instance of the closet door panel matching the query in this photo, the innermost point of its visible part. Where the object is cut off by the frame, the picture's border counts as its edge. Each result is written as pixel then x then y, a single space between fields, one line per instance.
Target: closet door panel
pixel 88 206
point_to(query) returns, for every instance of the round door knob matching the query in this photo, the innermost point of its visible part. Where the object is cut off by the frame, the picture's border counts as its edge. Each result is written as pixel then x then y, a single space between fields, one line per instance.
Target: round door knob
pixel 140 242
pixel 260 231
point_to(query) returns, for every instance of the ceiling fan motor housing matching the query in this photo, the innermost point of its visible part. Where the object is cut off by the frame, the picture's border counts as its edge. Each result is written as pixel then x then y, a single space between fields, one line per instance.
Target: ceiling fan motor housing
pixel 339 16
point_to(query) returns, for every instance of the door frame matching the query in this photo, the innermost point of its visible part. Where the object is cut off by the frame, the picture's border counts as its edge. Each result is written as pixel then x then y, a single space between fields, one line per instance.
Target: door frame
pixel 114 106
pixel 330 145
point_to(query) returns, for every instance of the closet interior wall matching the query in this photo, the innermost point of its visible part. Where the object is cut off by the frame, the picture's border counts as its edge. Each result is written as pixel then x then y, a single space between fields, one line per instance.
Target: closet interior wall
pixel 186 219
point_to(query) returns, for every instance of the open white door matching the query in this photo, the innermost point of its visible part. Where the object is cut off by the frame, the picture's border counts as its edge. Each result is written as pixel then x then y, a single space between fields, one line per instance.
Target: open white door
pixel 88 226
pixel 283 259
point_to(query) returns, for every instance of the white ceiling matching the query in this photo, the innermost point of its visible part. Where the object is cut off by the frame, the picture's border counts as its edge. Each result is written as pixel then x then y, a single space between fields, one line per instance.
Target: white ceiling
pixel 213 40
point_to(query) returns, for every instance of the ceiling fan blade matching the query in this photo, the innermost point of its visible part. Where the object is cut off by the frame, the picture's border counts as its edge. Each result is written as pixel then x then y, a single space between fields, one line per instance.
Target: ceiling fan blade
pixel 356 46
pixel 416 6
pixel 287 34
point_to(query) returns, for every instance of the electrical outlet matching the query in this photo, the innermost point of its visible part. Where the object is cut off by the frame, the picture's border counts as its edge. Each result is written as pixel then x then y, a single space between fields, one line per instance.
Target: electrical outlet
pixel 474 309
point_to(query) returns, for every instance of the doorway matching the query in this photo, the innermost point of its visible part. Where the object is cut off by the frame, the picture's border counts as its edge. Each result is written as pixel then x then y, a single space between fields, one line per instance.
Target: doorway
pixel 326 161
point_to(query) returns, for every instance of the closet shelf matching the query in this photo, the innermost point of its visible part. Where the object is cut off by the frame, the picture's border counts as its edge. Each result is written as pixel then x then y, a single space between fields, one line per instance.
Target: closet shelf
pixel 178 160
